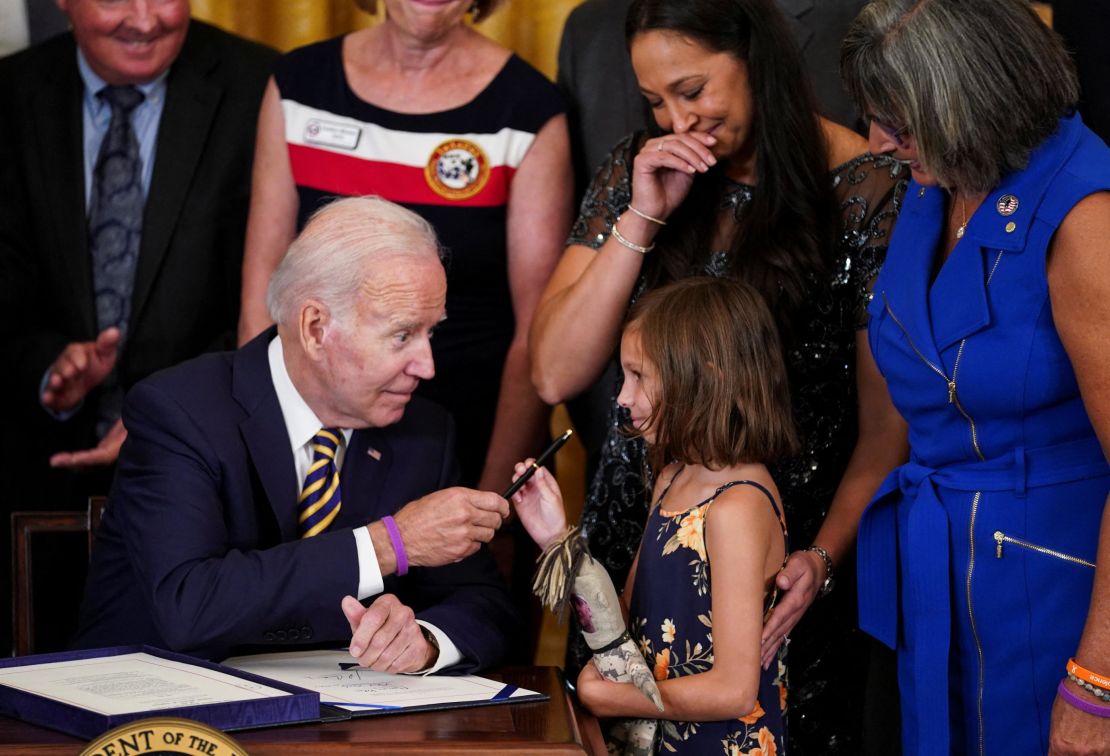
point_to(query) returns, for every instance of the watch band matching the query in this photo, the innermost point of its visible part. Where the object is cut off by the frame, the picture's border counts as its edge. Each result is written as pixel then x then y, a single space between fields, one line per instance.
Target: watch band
pixel 829 581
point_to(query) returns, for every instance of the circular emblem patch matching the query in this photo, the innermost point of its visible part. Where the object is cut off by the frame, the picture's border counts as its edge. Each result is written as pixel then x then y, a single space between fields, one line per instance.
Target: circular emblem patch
pixel 164 736
pixel 457 169
pixel 1007 204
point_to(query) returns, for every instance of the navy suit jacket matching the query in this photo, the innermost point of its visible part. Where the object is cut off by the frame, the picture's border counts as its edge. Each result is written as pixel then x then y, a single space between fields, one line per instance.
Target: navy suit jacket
pixel 198 550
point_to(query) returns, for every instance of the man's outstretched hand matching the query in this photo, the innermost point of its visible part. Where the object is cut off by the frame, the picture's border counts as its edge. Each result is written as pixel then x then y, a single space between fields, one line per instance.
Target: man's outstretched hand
pixel 104 453
pixel 81 367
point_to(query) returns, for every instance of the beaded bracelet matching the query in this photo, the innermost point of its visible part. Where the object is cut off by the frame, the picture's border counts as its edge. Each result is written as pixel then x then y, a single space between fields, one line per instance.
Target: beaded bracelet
pixel 1082 704
pixel 1095 691
pixel 1086 675
pixel 631 245
pixel 647 217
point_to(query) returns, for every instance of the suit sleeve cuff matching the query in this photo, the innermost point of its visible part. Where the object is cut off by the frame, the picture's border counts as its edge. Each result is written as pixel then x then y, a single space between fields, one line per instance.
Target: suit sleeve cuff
pixel 370 581
pixel 449 654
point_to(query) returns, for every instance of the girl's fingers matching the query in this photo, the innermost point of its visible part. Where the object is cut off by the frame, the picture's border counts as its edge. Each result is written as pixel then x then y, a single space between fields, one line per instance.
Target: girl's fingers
pixel 520 467
pixel 550 485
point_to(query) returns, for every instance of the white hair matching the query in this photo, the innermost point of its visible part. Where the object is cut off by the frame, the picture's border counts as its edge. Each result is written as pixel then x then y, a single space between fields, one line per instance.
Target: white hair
pixel 331 258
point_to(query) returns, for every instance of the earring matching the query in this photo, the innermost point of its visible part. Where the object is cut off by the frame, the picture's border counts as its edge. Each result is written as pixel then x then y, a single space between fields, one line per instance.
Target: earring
pixel 474 9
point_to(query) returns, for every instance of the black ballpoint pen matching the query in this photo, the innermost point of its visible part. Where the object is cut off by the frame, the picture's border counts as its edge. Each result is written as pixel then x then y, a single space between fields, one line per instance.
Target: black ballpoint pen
pixel 548 453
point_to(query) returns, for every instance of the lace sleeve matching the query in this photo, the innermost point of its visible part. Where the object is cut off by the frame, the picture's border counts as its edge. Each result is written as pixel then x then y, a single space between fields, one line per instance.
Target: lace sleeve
pixel 607 196
pixel 869 190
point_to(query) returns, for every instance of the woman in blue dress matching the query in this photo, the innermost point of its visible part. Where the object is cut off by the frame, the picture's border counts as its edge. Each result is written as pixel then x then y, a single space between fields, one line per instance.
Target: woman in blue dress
pixel 988 323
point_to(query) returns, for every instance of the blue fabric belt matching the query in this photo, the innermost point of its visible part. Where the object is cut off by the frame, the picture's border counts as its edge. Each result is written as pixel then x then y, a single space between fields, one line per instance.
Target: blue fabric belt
pixel 925 601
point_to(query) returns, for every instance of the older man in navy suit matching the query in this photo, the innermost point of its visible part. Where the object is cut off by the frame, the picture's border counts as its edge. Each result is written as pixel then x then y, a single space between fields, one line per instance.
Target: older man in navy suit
pixel 263 495
pixel 136 102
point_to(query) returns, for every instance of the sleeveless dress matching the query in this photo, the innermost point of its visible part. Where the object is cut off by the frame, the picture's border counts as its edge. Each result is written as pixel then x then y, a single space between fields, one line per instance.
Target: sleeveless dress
pixel 455 168
pixel 671 618
pixel 976 558
pixel 828 653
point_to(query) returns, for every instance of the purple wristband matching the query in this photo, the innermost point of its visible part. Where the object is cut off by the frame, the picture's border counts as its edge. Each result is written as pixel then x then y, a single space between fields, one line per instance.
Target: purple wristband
pixel 398 545
pixel 1098 710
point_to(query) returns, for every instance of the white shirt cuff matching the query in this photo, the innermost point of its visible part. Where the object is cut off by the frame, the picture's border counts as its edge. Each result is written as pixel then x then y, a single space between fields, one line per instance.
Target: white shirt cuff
pixel 448 652
pixel 370 581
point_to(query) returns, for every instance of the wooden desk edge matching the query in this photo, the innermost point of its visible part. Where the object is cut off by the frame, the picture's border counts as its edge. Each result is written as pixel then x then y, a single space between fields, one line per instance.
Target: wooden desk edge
pixel 24 738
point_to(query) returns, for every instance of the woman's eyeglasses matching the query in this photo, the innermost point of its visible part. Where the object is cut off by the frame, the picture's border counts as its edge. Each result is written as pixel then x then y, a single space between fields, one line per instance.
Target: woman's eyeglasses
pixel 894 132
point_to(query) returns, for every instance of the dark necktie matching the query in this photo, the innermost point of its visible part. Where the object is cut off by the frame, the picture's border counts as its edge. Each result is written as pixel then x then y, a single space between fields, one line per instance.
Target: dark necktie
pixel 115 229
pixel 320 500
pixel 116 211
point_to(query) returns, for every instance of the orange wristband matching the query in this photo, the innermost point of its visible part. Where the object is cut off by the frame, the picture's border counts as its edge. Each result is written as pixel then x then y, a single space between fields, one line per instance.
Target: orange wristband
pixel 1088 676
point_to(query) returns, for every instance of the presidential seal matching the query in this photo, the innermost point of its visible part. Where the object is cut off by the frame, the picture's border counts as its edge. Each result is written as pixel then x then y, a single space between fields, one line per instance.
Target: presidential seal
pixel 457 169
pixel 164 736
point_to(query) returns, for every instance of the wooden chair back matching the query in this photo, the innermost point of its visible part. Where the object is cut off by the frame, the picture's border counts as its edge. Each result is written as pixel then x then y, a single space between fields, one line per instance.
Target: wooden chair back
pixel 25 525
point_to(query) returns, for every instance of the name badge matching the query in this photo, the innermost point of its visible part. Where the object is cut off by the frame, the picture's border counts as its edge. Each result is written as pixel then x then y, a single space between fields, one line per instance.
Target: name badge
pixel 328 134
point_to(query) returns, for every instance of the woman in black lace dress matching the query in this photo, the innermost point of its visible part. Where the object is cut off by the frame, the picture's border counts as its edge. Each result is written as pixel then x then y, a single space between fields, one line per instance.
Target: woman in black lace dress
pixel 741 178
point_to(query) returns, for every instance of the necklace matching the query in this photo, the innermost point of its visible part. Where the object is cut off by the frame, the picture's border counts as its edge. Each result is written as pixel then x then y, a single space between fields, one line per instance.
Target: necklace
pixel 963 218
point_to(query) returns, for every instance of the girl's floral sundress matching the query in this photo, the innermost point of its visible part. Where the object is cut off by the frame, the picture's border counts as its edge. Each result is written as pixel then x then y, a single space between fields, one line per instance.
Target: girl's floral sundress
pixel 671 617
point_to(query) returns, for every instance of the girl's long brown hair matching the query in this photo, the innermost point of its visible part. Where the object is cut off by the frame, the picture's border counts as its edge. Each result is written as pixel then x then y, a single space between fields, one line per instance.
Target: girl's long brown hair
pixel 723 397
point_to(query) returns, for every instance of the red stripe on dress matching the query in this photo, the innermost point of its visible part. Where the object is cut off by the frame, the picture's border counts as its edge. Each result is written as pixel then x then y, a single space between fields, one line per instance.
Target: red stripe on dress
pixel 349 176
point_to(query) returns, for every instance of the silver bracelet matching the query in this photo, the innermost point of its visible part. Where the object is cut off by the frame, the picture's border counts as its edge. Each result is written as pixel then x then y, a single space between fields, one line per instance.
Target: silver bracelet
pixel 631 245
pixel 647 217
pixel 829 582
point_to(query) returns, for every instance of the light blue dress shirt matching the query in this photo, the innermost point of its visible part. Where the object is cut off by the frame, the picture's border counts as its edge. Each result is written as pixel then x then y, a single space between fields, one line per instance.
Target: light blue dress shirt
pixel 96 115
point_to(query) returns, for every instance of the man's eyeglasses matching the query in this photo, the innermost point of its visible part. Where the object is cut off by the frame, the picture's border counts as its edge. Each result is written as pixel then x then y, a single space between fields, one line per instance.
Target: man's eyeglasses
pixel 894 132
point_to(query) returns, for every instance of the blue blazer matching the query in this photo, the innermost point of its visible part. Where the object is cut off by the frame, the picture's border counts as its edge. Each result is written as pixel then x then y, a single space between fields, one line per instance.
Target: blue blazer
pixel 198 550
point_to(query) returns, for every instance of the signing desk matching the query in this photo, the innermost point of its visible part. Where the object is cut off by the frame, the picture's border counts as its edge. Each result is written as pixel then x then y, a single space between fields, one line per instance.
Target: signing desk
pixel 557 726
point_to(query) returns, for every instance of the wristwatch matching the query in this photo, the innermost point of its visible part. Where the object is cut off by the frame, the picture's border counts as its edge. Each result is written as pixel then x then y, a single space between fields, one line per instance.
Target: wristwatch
pixel 829 581
pixel 431 639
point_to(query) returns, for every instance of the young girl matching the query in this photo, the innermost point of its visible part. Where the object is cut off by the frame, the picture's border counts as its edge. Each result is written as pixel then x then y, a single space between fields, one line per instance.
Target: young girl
pixel 705 385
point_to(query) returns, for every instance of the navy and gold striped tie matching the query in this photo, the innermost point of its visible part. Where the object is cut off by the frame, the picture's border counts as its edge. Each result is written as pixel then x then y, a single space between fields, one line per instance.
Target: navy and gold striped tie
pixel 320 501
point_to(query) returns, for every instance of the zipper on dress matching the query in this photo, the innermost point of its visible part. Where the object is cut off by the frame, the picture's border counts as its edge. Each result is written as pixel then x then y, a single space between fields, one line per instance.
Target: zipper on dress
pixel 981 683
pixel 953 398
pixel 1001 538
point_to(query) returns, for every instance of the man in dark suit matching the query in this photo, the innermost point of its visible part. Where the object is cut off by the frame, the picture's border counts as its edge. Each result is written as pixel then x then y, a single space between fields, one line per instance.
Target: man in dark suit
pixel 193 133
pixel 211 545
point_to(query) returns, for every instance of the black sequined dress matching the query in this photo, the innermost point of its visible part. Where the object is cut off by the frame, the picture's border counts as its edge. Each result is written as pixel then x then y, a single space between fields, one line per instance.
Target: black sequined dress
pixel 828 654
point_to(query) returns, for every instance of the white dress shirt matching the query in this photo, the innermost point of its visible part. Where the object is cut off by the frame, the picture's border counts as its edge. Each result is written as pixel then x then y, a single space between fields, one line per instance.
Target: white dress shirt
pixel 302 425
